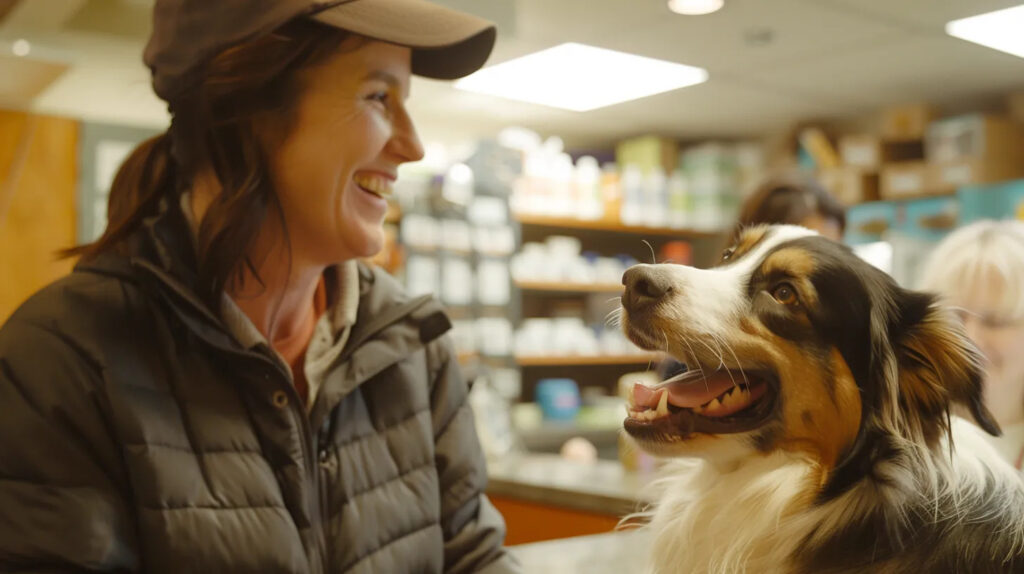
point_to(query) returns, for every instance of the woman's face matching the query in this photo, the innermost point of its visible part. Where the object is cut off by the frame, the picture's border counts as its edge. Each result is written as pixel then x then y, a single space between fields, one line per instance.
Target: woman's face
pixel 340 158
pixel 1001 340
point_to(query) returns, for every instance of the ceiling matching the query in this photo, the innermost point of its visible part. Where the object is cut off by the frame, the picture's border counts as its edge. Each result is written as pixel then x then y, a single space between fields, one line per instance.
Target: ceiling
pixel 772 63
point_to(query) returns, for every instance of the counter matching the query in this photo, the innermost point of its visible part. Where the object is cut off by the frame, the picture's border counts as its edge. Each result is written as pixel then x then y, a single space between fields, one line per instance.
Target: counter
pixel 612 553
pixel 544 497
pixel 604 486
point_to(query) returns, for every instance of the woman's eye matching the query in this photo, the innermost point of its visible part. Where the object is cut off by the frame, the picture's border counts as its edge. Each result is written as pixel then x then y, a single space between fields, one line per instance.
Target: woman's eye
pixel 382 97
pixel 785 293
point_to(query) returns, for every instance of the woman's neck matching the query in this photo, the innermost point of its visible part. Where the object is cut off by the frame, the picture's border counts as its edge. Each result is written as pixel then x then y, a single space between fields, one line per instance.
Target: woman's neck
pixel 280 302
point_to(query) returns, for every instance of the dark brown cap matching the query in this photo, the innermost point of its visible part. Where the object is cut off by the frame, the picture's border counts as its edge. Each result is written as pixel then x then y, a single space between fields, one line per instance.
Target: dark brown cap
pixel 446 44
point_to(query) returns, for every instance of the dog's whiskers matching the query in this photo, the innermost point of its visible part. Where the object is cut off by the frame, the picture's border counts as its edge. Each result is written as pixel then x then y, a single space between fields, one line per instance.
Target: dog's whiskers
pixel 654 258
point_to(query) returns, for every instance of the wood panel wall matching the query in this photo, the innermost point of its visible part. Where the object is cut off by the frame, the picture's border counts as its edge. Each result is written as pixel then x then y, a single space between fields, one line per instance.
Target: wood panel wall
pixel 38 170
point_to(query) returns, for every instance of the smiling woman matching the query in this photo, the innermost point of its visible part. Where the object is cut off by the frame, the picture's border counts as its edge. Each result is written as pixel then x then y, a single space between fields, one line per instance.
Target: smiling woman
pixel 221 385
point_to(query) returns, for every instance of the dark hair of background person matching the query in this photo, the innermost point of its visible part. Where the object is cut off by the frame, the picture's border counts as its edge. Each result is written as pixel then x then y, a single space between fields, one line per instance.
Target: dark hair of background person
pixel 245 93
pixel 789 200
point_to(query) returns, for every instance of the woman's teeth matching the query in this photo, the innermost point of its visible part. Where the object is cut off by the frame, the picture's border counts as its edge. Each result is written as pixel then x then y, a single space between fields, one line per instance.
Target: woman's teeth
pixel 375 184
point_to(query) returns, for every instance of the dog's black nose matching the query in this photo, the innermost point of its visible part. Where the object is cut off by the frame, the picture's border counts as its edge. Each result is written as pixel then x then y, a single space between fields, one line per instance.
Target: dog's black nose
pixel 645 286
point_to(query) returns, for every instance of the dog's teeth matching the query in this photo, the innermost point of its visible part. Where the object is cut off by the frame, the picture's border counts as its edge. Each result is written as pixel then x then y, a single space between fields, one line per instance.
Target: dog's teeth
pixel 730 399
pixel 662 404
pixel 714 405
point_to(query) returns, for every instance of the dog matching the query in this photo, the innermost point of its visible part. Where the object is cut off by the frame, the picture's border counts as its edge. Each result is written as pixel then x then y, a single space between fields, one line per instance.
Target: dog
pixel 818 426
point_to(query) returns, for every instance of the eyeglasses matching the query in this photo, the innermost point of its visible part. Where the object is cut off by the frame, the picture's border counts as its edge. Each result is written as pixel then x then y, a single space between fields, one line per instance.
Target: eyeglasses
pixel 990 320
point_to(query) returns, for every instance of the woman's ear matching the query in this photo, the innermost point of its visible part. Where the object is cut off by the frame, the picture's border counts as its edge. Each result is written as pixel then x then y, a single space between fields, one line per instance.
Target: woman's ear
pixel 939 367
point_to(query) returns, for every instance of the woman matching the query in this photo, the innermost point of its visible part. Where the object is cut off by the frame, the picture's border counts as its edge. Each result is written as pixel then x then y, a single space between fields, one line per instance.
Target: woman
pixel 220 386
pixel 797 201
pixel 980 270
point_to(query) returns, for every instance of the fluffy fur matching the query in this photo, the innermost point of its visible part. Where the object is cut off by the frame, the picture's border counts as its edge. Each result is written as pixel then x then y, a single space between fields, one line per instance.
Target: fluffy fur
pixel 861 465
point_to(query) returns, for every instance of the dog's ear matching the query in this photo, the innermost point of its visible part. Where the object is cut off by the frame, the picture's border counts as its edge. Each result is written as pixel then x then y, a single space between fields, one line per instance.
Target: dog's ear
pixel 939 367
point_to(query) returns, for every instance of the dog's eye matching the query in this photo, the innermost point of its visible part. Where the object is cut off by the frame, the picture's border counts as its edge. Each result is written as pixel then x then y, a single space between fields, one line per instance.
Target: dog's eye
pixel 728 253
pixel 785 293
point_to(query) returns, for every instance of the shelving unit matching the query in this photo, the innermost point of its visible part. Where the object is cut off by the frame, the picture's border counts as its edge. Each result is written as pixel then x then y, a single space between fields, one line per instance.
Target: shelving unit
pixel 581 360
pixel 569 223
pixel 558 298
pixel 546 286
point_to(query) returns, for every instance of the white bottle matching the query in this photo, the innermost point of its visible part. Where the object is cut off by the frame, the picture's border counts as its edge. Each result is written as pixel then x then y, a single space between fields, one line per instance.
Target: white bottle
pixel 632 195
pixel 589 201
pixel 655 205
pixel 679 206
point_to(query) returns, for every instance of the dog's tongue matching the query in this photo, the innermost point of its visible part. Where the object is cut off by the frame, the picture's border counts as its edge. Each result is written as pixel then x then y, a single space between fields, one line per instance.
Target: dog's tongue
pixel 688 390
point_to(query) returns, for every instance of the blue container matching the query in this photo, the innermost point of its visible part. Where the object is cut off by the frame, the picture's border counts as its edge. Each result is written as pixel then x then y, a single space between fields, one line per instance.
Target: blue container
pixel 559 399
pixel 929 219
pixel 992 201
pixel 867 222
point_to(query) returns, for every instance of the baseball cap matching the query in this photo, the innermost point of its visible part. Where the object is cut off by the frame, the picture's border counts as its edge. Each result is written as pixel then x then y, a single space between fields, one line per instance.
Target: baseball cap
pixel 446 44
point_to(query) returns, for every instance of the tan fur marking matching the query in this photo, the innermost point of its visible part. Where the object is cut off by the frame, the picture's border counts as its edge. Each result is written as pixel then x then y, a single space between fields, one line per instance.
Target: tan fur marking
pixel 798 264
pixel 748 240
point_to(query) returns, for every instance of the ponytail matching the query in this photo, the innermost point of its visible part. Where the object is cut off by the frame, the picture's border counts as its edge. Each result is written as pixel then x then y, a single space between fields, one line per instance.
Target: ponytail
pixel 141 182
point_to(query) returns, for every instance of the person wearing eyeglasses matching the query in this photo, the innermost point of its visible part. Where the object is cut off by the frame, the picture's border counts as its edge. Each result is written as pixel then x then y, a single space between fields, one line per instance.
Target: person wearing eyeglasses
pixel 979 269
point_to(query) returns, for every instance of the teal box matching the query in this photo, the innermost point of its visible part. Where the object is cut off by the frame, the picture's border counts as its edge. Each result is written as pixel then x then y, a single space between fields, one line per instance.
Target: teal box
pixel 867 222
pixel 992 201
pixel 929 219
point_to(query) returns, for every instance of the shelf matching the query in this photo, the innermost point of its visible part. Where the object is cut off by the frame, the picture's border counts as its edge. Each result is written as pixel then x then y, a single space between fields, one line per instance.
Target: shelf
pixel 578 360
pixel 569 287
pixel 615 227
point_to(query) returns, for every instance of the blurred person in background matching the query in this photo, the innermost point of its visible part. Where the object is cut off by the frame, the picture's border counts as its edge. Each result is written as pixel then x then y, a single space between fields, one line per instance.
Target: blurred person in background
pixel 219 386
pixel 979 269
pixel 794 200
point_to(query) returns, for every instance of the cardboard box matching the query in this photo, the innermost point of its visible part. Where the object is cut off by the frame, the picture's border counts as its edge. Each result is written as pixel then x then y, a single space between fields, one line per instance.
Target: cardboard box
pixel 974 136
pixel 907 122
pixel 948 177
pixel 1015 105
pixel 904 180
pixel 850 185
pixel 861 151
pixel 869 152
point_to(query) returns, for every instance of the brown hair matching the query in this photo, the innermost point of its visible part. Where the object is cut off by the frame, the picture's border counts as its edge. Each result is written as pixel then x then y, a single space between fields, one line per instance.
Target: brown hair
pixel 789 200
pixel 243 91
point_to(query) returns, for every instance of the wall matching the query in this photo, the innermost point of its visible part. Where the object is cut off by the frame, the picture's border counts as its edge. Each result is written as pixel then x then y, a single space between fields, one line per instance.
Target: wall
pixel 38 159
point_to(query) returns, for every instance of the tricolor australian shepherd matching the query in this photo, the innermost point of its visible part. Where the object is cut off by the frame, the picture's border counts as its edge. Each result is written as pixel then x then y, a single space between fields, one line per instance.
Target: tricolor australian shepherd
pixel 816 429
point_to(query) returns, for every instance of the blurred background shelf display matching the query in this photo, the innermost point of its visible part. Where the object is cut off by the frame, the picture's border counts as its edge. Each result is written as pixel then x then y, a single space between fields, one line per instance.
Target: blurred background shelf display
pixel 583 360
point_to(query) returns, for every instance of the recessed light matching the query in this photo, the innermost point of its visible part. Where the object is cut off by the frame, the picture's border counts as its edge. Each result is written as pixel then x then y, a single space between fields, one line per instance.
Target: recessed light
pixel 581 78
pixel 695 7
pixel 21 47
pixel 999 30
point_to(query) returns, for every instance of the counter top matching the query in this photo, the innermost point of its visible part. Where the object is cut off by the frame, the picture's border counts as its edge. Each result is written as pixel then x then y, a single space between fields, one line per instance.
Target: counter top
pixel 603 486
pixel 612 553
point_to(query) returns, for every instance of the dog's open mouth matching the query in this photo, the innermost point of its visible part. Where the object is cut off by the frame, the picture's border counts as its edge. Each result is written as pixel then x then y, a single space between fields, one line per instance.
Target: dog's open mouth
pixel 721 402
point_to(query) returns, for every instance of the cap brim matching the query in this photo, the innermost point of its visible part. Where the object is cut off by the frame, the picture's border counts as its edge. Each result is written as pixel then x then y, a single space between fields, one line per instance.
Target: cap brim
pixel 446 44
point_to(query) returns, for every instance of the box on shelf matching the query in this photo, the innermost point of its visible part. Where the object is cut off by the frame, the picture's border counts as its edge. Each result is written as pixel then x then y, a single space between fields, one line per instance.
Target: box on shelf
pixel 1015 105
pixel 648 153
pixel 974 136
pixel 930 218
pixel 907 122
pixel 870 152
pixel 947 177
pixel 1000 201
pixel 850 185
pixel 867 222
pixel 903 180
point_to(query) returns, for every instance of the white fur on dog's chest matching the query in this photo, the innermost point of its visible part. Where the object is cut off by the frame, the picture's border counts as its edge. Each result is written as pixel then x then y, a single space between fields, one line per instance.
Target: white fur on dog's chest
pixel 728 520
